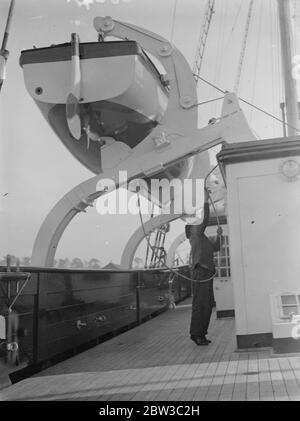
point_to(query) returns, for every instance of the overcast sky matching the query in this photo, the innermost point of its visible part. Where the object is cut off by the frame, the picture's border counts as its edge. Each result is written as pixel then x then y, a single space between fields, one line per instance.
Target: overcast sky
pixel 36 169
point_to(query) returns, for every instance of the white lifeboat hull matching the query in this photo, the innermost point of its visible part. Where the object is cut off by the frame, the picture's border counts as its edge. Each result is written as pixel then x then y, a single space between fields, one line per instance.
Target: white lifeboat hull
pixel 120 94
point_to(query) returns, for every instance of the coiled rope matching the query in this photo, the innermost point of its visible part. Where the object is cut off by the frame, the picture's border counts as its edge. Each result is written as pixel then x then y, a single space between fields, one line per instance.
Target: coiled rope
pixel 152 248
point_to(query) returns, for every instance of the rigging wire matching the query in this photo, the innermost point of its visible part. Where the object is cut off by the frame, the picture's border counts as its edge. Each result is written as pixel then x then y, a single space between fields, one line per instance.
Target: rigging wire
pixel 211 84
pixel 269 114
pixel 233 28
pixel 208 101
pixel 234 25
pixel 148 238
pixel 221 60
pixel 236 19
pixel 218 52
pixel 221 40
pixel 243 49
pixel 173 20
pixel 256 57
pixel 250 104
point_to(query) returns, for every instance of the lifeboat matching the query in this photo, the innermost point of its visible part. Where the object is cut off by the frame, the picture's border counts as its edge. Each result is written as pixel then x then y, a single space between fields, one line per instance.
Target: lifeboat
pixel 95 94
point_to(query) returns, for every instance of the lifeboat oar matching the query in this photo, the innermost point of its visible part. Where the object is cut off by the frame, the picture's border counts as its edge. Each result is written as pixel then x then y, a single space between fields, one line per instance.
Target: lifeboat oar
pixel 72 105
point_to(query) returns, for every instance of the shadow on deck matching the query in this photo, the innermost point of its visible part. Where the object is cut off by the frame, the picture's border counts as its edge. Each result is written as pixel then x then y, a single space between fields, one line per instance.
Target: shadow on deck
pixel 157 361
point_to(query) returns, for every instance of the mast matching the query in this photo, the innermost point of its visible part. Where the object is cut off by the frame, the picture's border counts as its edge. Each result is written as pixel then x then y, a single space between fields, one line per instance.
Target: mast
pixel 286 59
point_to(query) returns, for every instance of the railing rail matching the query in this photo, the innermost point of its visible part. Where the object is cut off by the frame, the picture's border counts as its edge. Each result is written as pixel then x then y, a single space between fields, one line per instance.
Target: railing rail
pixel 62 310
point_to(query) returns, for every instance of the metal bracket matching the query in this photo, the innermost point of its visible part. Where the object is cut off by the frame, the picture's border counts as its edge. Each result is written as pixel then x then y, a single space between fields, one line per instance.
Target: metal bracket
pixel 161 141
pixel 179 73
pixel 154 170
pixel 100 318
pixel 14 277
pixel 80 324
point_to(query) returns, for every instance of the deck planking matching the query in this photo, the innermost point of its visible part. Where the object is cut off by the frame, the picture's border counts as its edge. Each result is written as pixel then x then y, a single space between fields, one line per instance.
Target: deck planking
pixel 157 361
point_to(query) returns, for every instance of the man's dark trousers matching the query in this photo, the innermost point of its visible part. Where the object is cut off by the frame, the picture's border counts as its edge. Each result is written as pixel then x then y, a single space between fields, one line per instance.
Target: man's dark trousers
pixel 203 301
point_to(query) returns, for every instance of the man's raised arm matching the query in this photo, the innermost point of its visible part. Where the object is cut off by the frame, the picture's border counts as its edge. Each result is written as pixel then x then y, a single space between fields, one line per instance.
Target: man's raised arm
pixel 201 228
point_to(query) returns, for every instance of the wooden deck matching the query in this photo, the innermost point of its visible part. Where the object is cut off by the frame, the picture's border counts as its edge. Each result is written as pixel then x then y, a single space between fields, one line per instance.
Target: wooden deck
pixel 158 362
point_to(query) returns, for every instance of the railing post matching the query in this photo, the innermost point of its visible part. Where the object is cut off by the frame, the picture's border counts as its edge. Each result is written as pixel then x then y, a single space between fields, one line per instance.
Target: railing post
pixel 35 336
pixel 138 285
pixel 179 285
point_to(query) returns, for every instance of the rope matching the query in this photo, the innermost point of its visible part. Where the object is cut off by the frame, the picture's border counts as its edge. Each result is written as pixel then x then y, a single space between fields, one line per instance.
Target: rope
pixel 152 248
pixel 200 281
pixel 160 258
pixel 211 201
pixel 150 245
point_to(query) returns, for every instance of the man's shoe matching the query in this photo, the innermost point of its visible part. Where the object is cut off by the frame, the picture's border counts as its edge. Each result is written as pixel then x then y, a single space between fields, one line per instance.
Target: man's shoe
pixel 208 340
pixel 200 341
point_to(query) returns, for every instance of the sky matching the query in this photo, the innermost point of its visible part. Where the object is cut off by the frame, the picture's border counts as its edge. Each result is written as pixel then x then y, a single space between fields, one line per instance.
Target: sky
pixel 35 168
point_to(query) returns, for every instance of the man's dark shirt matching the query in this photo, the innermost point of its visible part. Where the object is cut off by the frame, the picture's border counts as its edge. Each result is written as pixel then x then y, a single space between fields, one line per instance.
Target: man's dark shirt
pixel 202 249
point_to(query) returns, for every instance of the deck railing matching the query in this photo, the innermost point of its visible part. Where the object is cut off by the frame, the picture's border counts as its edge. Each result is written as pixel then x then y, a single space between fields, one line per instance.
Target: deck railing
pixel 63 311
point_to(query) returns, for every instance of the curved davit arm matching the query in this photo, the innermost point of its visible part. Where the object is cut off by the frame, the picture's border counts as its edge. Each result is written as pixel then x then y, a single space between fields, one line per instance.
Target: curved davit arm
pixel 139 235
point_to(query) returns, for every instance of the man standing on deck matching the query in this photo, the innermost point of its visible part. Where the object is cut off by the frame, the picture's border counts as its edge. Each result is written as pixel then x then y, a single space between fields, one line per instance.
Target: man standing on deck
pixel 203 271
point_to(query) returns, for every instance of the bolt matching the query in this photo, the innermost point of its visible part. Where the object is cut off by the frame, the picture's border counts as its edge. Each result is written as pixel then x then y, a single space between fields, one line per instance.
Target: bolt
pixel 165 50
pixel 186 101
